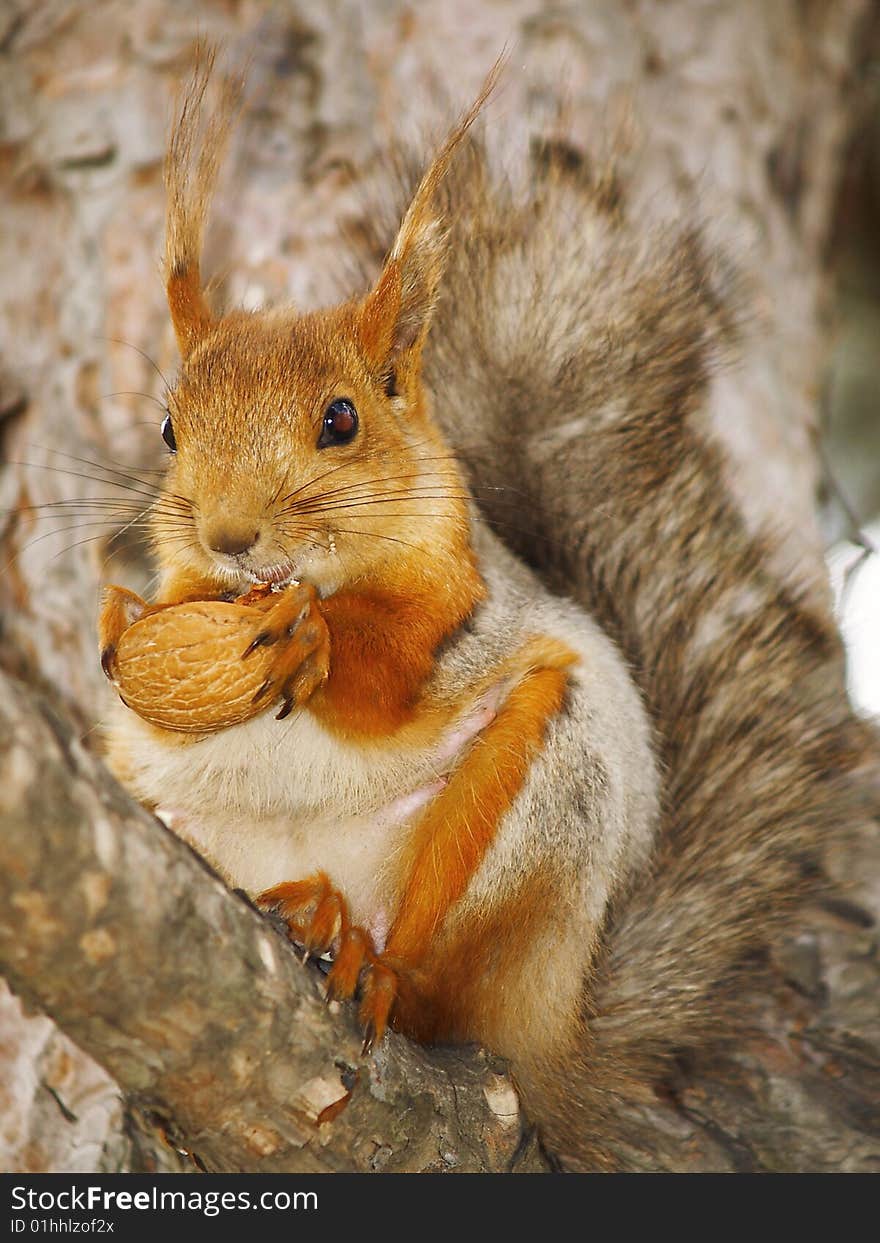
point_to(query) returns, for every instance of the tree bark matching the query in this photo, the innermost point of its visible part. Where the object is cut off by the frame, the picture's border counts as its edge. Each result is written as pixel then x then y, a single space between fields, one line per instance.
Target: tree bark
pixel 739 111
pixel 193 1002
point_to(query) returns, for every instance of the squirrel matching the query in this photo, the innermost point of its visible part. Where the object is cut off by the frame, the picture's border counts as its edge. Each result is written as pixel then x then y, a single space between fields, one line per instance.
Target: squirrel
pixel 549 789
pixel 460 778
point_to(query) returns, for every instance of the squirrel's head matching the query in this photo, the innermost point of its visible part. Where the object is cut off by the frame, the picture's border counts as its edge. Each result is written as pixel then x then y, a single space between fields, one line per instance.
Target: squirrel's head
pixel 301 444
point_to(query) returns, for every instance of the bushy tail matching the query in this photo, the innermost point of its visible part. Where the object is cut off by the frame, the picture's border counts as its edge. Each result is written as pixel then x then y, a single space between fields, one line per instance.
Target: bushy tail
pixel 571 364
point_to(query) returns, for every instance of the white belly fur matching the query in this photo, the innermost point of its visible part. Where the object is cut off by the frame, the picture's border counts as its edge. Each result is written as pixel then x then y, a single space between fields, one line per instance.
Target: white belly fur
pixel 271 801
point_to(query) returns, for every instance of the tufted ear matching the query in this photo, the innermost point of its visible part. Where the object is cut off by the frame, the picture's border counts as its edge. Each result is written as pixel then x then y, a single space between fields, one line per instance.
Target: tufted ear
pixel 195 151
pixel 396 315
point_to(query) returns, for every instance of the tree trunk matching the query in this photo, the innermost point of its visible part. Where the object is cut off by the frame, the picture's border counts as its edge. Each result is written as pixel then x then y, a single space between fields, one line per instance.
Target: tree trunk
pixel 738 110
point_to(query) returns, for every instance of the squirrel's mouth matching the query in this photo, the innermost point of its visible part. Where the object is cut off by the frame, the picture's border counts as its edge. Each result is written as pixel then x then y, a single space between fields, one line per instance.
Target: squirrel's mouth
pixel 275 575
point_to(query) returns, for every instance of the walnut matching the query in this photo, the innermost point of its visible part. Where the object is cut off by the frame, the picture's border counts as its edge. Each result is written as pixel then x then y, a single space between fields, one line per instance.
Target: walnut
pixel 182 667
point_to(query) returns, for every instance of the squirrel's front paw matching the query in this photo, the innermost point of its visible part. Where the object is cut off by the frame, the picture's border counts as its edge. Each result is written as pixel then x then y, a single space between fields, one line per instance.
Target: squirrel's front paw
pixel 301 661
pixel 120 608
pixel 317 918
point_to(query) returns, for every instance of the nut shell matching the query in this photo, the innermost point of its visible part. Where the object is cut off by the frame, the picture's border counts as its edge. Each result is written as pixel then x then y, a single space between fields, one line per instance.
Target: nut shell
pixel 181 668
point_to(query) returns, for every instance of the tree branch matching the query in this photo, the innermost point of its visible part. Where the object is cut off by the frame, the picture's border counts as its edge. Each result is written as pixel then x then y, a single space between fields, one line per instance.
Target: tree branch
pixel 190 999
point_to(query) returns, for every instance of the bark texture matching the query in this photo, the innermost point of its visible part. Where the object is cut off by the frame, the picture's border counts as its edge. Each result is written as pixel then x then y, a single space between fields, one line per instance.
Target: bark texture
pixel 739 111
pixel 191 1000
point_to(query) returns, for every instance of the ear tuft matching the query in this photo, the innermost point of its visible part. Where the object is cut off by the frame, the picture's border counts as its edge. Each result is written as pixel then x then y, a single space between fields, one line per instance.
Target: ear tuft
pixel 195 150
pixel 396 316
pixel 389 384
pixel 421 257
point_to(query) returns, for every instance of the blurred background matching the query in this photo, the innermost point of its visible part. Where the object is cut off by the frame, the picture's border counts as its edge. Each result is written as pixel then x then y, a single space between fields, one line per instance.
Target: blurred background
pixel 851 428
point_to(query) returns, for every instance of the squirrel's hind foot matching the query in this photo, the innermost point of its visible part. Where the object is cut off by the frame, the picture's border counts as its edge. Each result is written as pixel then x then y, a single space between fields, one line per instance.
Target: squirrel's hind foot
pixel 317 918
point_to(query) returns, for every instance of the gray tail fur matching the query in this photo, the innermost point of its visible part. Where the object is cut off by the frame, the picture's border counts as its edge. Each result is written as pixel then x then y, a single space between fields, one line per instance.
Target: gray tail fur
pixel 571 361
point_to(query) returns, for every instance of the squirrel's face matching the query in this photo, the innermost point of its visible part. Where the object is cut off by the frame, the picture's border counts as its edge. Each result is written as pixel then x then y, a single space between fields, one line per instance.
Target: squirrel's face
pixel 293 457
pixel 301 445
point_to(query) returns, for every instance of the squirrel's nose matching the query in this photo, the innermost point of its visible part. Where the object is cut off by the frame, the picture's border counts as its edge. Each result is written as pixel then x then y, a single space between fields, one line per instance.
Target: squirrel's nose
pixel 230 541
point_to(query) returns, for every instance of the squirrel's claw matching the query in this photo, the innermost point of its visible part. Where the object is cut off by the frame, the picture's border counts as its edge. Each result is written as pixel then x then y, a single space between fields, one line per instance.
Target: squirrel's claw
pixel 377 1000
pixel 108 661
pixel 316 916
pixel 300 688
pixel 262 638
pixel 119 610
pixel 300 664
pixel 261 690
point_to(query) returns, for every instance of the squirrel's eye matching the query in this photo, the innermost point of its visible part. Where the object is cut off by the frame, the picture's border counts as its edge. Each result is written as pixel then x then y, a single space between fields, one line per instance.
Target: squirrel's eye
pixel 168 433
pixel 340 424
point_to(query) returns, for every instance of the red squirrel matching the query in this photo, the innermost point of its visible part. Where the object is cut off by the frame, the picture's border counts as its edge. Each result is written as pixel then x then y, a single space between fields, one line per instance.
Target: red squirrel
pixel 568 829
pixel 454 776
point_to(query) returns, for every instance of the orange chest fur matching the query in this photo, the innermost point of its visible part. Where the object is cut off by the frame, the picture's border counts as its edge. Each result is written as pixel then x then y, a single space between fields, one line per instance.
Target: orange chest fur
pixel 383 648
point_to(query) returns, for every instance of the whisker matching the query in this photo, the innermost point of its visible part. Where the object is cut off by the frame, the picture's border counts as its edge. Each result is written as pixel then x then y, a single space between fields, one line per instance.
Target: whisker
pixel 26 548
pixel 89 539
pixel 75 474
pixel 379 517
pixel 381 499
pixel 143 354
pixel 352 488
pixel 122 504
pixel 70 509
pixel 274 499
pixel 367 483
pixel 123 392
pixel 355 463
pixel 122 474
pixel 494 523
pixel 373 534
pixel 171 500
pixel 310 482
pixel 123 515
pixel 138 520
pixel 142 470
